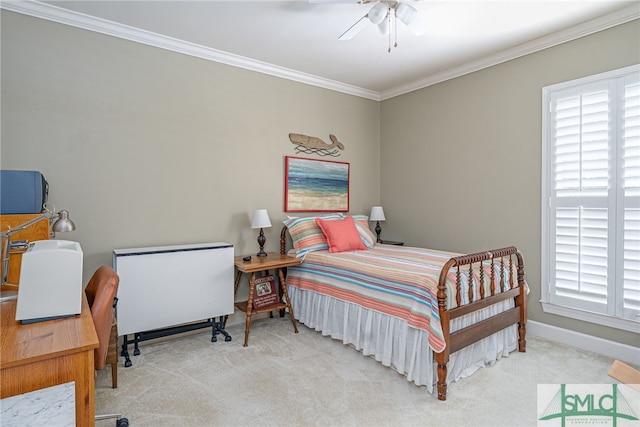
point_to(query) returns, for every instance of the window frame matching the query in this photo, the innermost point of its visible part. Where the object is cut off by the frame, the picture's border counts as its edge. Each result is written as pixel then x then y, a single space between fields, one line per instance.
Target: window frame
pixel 609 318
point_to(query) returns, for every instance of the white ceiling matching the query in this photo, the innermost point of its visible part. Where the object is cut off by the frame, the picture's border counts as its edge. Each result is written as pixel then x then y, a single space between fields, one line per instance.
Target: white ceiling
pixel 299 39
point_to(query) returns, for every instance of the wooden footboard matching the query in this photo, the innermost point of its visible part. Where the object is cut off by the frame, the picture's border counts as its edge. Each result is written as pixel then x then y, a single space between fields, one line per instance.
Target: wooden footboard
pixel 500 289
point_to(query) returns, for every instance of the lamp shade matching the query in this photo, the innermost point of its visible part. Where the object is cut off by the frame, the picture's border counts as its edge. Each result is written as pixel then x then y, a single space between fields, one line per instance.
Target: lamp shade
pixel 63 223
pixel 377 214
pixel 260 219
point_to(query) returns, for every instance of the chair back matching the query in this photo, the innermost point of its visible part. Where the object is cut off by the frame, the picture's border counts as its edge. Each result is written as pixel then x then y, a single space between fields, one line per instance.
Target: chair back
pixel 101 292
pixel 92 287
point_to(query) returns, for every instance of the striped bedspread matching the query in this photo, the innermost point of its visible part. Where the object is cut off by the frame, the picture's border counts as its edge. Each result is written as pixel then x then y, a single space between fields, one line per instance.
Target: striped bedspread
pixel 398 281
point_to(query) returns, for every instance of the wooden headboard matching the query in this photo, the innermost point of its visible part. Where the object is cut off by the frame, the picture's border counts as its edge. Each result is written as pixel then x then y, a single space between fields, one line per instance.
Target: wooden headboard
pixel 283 240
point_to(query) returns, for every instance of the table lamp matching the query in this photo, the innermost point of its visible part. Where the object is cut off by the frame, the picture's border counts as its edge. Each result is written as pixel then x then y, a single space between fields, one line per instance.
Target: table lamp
pixel 377 215
pixel 261 220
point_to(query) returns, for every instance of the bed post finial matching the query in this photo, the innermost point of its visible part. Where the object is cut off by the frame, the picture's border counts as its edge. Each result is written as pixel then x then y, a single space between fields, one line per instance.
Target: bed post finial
pixel 283 241
pixel 522 302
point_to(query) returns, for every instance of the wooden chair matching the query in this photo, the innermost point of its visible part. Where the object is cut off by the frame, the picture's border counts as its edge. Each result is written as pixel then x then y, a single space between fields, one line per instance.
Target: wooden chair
pixel 112 353
pixel 101 294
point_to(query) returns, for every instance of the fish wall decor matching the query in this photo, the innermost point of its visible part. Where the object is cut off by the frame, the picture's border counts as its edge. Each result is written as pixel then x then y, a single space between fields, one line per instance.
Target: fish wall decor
pixel 314 145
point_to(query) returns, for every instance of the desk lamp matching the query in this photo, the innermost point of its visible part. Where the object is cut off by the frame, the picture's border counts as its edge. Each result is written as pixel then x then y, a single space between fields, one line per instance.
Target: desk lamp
pixel 377 215
pixel 261 220
pixel 62 224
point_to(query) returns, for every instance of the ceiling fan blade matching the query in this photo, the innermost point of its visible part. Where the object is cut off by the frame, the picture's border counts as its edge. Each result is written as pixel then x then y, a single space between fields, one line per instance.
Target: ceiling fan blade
pixel 355 29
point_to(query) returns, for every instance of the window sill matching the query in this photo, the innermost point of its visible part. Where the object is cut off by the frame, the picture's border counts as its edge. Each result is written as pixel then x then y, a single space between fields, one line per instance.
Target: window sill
pixel 587 316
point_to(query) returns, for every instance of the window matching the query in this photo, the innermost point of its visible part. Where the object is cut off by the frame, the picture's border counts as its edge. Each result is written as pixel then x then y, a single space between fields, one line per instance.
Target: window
pixel 591 199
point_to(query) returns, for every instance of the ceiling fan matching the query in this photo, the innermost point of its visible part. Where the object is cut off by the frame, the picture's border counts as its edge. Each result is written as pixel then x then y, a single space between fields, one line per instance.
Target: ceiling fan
pixel 384 15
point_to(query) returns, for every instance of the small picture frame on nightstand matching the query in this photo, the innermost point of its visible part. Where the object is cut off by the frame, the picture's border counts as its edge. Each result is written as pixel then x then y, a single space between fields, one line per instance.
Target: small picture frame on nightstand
pixel 265 292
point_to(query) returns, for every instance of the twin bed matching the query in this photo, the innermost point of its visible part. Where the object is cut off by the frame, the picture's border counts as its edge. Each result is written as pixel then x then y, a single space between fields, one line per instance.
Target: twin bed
pixel 433 316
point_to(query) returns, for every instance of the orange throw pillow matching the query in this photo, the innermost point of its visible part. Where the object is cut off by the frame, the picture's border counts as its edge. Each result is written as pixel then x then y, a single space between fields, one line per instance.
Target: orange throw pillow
pixel 342 235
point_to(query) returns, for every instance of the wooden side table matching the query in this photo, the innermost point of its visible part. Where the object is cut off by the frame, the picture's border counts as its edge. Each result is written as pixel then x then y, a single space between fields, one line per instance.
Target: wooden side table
pixel 273 261
pixel 392 242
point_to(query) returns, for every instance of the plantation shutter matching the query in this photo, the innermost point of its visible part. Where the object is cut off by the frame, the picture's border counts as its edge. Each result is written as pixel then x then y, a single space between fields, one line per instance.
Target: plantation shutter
pixel 593 240
pixel 631 203
pixel 580 196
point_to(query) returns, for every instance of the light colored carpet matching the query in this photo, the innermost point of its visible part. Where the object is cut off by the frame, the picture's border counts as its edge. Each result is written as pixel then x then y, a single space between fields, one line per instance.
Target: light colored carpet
pixel 305 379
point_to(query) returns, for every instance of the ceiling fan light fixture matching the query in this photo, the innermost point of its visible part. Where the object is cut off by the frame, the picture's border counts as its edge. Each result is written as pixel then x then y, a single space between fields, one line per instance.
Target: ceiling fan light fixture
pixel 378 12
pixel 383 27
pixel 406 13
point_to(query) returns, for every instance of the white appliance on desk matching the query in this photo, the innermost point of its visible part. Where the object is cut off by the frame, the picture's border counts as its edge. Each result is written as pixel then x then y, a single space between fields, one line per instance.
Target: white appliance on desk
pixel 50 281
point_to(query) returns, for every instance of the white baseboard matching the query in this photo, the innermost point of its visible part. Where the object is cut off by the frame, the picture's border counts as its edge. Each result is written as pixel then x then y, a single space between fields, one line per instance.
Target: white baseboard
pixel 615 350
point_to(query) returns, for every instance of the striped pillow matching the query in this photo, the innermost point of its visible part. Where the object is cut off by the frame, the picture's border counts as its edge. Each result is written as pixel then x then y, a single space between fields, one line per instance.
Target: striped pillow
pixel 306 235
pixel 366 235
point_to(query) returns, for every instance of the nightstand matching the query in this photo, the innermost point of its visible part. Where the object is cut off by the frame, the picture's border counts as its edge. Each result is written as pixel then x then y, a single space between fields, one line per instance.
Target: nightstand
pixel 273 261
pixel 392 242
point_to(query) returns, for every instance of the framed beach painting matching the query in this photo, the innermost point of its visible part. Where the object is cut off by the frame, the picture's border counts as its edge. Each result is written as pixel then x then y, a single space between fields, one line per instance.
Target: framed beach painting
pixel 315 185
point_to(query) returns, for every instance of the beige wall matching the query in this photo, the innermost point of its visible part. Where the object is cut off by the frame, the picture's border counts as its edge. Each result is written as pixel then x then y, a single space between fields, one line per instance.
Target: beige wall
pixel 149 147
pixel 461 160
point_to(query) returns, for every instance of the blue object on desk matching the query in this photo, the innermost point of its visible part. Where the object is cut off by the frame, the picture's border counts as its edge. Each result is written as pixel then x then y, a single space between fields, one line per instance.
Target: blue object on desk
pixel 22 192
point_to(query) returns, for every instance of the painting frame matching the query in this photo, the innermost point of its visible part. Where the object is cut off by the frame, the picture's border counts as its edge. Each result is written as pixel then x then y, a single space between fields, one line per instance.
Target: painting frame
pixel 314 185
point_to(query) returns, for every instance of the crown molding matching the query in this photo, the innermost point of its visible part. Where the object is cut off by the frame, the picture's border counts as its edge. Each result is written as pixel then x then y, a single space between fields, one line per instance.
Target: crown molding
pixel 80 20
pixel 613 19
pixel 103 26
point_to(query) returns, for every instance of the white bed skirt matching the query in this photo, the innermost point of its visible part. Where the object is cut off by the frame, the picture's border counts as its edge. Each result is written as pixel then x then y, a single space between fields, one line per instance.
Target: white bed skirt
pixel 395 344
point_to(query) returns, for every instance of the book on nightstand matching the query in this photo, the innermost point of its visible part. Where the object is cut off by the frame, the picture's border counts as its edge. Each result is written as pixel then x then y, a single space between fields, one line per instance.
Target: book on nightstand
pixel 265 292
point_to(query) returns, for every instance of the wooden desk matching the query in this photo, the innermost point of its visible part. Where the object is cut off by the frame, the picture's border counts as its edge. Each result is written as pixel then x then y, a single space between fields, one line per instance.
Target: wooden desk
pixel 49 353
pixel 273 261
